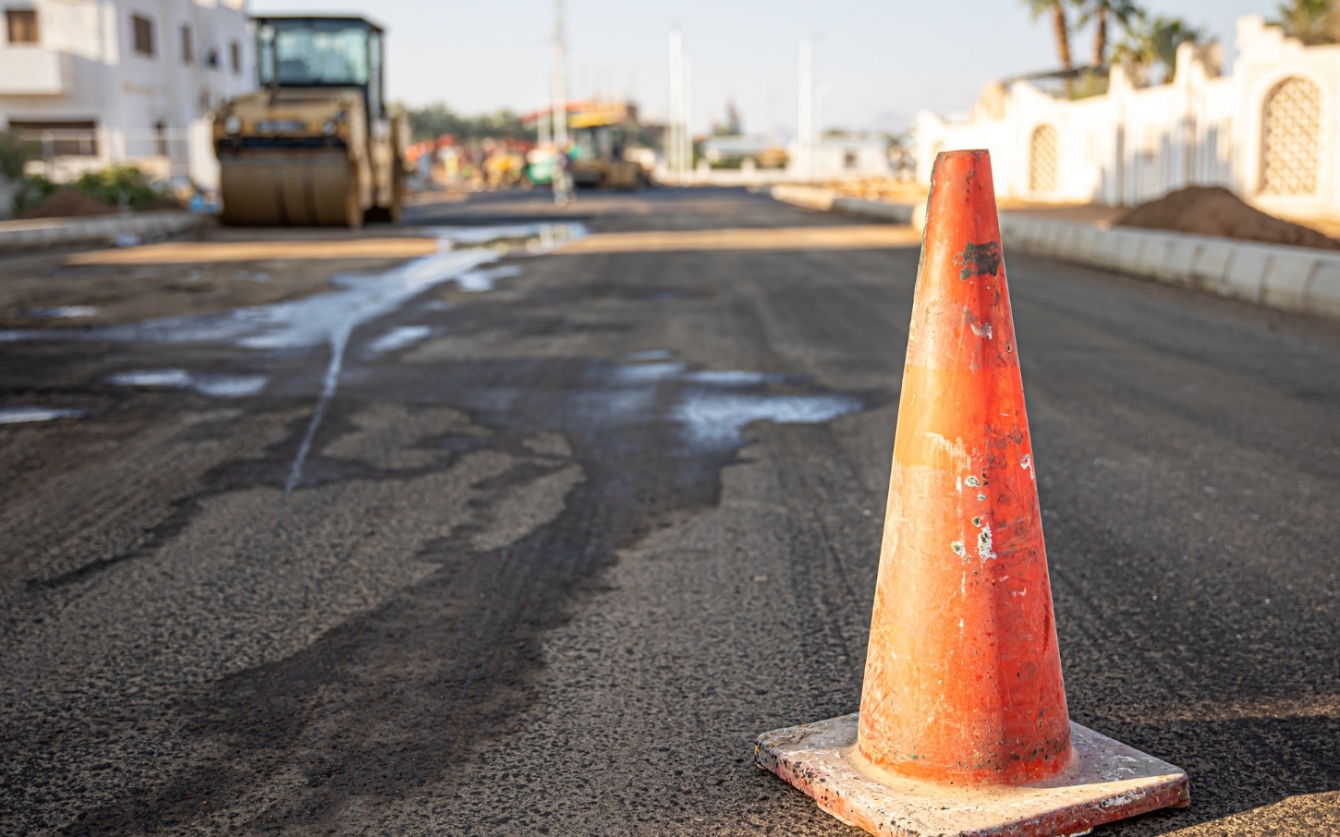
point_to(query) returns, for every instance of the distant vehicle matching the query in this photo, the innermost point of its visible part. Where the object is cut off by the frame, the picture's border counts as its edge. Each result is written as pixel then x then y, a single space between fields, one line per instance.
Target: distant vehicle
pixel 602 133
pixel 316 144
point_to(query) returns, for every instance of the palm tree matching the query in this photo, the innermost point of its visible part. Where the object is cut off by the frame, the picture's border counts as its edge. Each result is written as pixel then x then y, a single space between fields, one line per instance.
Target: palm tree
pixel 1310 21
pixel 1100 12
pixel 1056 9
pixel 1151 41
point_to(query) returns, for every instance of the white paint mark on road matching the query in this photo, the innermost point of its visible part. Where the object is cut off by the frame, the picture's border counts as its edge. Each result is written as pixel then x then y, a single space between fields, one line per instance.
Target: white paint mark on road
pixel 479 281
pixel 230 386
pixel 398 338
pixel 729 377
pixel 64 312
pixel 538 238
pixel 650 354
pixel 647 372
pixel 24 415
pixel 217 386
pixel 332 317
pixel 154 378
pixel 716 419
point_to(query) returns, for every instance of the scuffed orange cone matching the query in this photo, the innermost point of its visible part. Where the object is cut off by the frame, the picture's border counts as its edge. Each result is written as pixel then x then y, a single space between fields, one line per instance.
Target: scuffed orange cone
pixel 963 728
pixel 963 678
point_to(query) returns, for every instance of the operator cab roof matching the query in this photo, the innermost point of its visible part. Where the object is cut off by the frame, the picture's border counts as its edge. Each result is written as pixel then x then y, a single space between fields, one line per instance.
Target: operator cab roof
pixel 332 18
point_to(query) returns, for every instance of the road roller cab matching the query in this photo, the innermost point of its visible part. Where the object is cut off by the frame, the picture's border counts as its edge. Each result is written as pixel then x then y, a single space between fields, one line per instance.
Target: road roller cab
pixel 316 145
pixel 602 133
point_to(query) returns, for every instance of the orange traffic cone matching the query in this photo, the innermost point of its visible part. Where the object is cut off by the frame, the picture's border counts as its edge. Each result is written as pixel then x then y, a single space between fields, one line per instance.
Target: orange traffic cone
pixel 963 727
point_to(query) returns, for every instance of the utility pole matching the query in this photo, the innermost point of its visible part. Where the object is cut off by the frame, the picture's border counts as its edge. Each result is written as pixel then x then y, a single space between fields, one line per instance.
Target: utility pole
pixel 559 93
pixel 688 116
pixel 543 122
pixel 805 128
pixel 674 142
pixel 559 111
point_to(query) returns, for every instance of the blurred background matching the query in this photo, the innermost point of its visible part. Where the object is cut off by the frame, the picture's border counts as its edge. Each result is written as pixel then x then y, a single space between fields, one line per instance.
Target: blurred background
pixel 1092 105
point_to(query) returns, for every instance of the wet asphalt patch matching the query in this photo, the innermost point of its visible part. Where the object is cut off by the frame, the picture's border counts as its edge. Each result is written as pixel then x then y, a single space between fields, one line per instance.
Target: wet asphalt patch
pixel 440 665
pixel 390 698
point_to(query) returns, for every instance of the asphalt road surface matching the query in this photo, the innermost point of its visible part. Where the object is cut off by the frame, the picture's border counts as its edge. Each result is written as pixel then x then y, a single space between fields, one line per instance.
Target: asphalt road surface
pixel 542 547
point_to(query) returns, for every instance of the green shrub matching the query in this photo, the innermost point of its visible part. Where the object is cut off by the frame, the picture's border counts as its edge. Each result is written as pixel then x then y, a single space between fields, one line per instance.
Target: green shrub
pixel 32 191
pixel 118 186
pixel 14 153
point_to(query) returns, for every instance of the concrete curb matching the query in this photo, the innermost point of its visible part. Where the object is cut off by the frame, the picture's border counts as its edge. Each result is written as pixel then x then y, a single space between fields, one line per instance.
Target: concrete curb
pixel 104 229
pixel 817 197
pixel 1297 279
pixel 810 197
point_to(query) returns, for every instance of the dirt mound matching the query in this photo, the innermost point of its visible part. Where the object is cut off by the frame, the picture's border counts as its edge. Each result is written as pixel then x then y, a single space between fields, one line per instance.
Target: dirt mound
pixel 70 203
pixel 1211 210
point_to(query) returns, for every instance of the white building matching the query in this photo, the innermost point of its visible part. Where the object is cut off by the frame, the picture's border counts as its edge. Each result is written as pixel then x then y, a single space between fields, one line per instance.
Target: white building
pixel 113 82
pixel 836 158
pixel 1270 131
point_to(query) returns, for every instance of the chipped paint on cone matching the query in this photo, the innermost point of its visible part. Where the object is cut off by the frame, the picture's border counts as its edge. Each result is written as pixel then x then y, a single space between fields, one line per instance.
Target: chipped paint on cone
pixel 963 728
pixel 986 702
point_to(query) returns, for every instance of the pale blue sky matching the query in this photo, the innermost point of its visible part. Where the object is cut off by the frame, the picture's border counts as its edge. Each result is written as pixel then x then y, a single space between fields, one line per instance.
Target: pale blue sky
pixel 880 61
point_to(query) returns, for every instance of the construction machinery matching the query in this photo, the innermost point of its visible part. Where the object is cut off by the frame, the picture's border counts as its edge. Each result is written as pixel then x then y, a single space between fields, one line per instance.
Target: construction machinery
pixel 316 145
pixel 602 133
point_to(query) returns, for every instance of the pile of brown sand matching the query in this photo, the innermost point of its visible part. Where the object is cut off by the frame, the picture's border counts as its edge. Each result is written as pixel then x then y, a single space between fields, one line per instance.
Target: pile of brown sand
pixel 1212 210
pixel 70 203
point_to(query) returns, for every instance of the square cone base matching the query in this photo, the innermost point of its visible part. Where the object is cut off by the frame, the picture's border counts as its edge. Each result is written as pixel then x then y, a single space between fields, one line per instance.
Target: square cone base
pixel 1106 781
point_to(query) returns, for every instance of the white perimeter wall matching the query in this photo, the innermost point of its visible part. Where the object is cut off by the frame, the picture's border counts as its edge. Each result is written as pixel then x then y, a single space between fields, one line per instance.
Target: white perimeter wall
pixel 1136 142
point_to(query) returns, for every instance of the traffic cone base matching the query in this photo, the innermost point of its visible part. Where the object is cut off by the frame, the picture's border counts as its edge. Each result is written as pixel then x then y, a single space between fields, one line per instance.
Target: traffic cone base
pixel 1104 781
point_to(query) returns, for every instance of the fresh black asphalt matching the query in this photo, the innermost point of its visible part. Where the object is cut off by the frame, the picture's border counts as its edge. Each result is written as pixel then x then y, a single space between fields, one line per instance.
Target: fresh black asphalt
pixel 553 564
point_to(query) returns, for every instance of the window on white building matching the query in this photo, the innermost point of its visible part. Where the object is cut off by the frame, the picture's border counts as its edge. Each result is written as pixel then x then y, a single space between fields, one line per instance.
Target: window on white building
pixel 187 46
pixel 1291 126
pixel 59 138
pixel 235 55
pixel 22 25
pixel 143 31
pixel 1044 155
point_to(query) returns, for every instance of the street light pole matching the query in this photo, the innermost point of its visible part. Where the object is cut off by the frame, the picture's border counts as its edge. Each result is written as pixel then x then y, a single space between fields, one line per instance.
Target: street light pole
pixel 805 140
pixel 560 82
pixel 674 144
pixel 688 117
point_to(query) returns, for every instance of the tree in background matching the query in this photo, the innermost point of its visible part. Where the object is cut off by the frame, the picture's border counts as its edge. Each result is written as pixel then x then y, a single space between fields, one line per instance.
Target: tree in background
pixel 1148 40
pixel 1100 13
pixel 436 120
pixel 1056 9
pixel 1310 21
pixel 733 126
pixel 15 154
pixel 1153 40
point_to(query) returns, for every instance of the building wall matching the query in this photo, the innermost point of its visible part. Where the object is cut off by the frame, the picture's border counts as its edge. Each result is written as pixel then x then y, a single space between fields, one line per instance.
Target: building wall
pixel 152 111
pixel 835 159
pixel 1138 142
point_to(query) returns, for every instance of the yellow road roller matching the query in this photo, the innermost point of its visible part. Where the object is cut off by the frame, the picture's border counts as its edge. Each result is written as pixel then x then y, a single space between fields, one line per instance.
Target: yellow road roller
pixel 316 145
pixel 601 133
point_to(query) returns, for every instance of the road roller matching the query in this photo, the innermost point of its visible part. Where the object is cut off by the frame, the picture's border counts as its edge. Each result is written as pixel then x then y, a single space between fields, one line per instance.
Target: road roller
pixel 316 145
pixel 601 133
